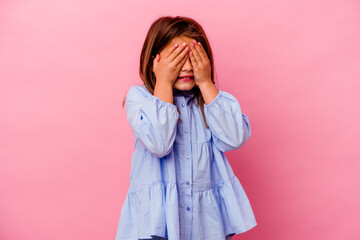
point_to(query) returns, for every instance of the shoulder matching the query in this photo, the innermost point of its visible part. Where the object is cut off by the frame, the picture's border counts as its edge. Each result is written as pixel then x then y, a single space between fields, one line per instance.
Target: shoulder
pixel 225 94
pixel 138 90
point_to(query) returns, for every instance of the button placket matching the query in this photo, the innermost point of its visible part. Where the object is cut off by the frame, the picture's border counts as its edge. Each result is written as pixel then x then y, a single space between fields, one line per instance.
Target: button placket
pixel 187 172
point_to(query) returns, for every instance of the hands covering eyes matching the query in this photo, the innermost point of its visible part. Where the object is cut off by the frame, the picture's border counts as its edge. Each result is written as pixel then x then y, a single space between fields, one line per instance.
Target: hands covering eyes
pixel 167 68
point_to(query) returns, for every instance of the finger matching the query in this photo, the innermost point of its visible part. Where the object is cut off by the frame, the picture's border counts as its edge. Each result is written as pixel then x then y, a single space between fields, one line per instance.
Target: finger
pixel 195 53
pixel 171 50
pixel 182 62
pixel 192 59
pixel 181 56
pixel 201 50
pixel 177 52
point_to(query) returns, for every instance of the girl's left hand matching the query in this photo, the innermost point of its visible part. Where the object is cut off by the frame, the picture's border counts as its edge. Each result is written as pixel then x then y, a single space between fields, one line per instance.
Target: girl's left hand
pixel 200 63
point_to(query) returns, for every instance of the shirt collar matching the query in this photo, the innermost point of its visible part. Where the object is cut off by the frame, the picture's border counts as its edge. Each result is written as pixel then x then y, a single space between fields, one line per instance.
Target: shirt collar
pixel 185 93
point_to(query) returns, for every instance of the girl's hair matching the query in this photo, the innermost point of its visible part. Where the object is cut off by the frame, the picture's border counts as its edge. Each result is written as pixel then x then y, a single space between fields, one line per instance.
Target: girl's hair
pixel 161 32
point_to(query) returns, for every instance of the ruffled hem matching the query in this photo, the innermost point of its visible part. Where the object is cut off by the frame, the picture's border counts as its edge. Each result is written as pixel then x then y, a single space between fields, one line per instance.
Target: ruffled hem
pixel 154 211
pixel 151 211
pixel 228 211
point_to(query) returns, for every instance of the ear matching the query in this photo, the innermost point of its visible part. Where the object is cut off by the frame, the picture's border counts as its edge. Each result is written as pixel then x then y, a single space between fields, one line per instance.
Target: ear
pixel 152 65
pixel 155 58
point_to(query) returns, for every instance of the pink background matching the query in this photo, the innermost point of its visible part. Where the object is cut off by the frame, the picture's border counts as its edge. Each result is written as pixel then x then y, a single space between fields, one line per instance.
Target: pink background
pixel 65 144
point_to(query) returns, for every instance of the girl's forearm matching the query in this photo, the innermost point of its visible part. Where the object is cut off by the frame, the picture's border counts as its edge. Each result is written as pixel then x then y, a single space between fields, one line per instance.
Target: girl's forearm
pixel 164 91
pixel 208 91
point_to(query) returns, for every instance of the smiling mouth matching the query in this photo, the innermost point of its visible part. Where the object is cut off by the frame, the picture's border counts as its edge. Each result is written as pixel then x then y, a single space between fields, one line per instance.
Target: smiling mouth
pixel 186 78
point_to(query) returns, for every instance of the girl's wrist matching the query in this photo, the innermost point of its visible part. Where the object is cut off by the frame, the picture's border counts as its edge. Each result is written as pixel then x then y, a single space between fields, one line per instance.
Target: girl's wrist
pixel 163 90
pixel 205 85
pixel 209 92
pixel 163 84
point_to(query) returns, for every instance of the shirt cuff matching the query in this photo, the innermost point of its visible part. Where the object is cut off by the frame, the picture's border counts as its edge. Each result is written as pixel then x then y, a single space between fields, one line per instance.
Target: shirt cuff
pixel 214 100
pixel 163 103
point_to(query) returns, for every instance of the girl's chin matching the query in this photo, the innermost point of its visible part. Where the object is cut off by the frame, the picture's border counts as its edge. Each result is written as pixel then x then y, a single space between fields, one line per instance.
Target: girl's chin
pixel 182 84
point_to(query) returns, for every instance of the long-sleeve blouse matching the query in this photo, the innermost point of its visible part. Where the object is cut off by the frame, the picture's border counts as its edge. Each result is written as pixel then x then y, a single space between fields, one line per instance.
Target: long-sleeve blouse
pixel 182 186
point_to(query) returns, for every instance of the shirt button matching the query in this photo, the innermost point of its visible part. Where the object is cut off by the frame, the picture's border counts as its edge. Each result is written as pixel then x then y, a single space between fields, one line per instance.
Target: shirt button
pixel 187 156
pixel 187 183
pixel 186 130
pixel 188 208
pixel 182 105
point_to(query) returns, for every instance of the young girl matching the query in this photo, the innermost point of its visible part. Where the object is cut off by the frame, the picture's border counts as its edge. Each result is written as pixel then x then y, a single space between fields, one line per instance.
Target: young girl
pixel 182 186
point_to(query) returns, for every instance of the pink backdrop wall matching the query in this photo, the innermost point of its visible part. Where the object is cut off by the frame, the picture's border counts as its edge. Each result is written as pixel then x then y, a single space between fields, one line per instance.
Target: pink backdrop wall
pixel 65 144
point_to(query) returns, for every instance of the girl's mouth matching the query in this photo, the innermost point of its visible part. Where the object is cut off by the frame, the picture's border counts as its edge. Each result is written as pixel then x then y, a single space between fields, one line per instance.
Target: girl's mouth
pixel 186 78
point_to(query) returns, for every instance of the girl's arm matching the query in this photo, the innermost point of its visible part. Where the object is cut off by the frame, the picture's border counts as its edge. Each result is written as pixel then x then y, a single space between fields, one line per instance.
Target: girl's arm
pixel 153 121
pixel 230 128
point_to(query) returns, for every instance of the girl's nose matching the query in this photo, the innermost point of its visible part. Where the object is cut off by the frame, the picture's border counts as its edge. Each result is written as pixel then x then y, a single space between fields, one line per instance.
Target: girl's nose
pixel 187 65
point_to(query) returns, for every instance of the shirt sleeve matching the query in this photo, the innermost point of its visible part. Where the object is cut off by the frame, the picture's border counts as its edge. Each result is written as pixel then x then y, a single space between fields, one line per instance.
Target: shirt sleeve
pixel 230 128
pixel 153 121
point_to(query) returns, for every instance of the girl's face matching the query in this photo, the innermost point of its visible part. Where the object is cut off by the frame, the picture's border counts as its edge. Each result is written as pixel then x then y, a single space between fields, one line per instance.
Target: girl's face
pixel 187 68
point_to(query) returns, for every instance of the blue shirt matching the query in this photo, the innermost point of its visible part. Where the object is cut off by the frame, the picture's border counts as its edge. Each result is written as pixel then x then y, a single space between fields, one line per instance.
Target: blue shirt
pixel 182 186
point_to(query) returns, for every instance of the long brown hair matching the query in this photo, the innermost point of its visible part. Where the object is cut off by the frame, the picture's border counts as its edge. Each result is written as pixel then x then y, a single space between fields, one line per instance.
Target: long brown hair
pixel 161 32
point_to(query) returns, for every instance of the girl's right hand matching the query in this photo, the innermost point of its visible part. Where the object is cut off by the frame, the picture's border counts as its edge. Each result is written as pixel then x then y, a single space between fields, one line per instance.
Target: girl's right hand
pixel 167 68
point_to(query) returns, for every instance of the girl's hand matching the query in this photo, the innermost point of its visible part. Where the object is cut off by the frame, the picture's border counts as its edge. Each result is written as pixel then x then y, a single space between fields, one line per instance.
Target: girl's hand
pixel 200 63
pixel 167 68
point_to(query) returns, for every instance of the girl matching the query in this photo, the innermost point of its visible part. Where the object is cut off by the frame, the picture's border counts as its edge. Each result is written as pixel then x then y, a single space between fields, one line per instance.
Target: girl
pixel 181 184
